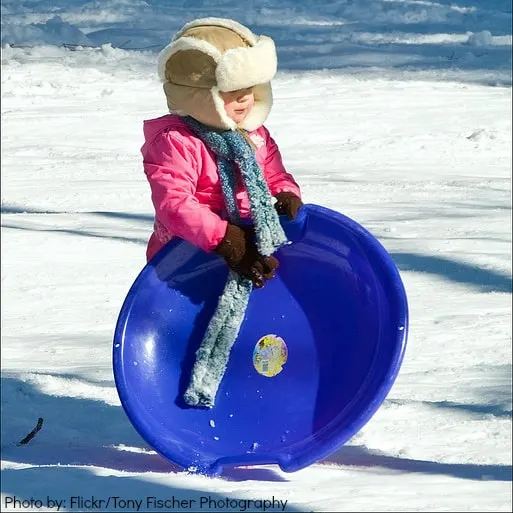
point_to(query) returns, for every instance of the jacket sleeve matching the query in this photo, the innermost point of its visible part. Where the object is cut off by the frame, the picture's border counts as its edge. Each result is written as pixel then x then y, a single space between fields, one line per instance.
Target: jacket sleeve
pixel 276 175
pixel 173 172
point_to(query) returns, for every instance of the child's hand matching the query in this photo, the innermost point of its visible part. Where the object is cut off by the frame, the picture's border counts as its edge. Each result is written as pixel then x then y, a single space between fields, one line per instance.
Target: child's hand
pixel 288 204
pixel 241 255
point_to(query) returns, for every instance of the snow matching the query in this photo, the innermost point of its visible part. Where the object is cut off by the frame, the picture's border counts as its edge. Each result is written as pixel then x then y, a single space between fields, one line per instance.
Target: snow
pixel 396 113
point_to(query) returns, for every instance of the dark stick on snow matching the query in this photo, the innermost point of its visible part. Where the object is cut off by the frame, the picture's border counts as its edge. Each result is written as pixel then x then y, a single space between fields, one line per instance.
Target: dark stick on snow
pixel 33 433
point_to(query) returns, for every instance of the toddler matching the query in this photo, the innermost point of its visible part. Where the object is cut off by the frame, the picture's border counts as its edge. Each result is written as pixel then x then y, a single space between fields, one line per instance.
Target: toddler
pixel 217 76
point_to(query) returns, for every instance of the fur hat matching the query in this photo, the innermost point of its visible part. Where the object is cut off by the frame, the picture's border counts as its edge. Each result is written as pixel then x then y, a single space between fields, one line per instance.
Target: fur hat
pixel 212 55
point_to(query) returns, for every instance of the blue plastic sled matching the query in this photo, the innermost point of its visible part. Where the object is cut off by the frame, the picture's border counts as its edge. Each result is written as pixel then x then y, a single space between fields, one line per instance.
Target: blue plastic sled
pixel 318 351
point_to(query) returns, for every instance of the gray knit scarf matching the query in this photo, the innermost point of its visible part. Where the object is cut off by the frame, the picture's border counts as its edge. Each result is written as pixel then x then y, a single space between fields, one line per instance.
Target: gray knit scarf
pixel 234 155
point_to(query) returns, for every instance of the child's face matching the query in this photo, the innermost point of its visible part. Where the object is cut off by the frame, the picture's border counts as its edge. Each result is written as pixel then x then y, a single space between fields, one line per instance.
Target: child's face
pixel 238 103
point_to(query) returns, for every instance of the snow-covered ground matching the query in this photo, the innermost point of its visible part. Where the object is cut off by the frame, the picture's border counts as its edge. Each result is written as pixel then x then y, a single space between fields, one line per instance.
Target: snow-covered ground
pixel 396 113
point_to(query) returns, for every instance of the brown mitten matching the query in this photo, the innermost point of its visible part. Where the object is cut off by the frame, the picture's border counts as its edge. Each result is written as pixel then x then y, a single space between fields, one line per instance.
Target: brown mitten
pixel 239 250
pixel 288 204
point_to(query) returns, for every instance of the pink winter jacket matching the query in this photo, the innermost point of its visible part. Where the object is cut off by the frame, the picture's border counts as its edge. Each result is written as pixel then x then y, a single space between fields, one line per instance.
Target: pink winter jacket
pixel 185 185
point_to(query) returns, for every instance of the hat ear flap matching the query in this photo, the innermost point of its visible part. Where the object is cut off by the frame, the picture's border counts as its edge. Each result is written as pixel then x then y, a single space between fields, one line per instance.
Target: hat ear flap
pixel 192 68
pixel 204 105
